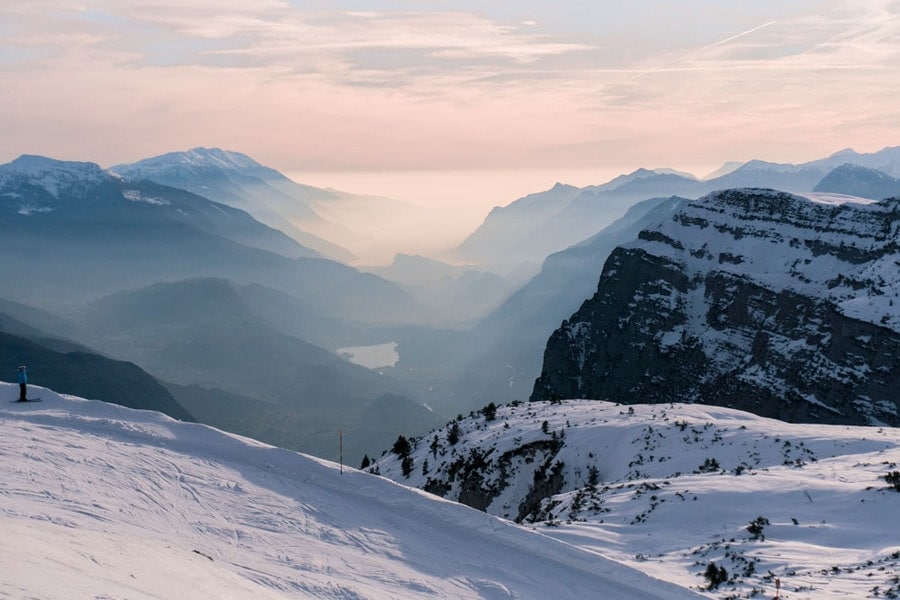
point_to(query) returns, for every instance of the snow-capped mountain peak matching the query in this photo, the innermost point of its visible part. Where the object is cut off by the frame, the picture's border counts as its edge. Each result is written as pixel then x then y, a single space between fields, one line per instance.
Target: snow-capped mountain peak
pixel 202 157
pixel 51 174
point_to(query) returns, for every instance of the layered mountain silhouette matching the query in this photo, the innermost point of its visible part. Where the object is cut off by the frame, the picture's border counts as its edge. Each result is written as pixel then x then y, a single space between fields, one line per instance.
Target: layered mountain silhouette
pixel 237 180
pixel 519 236
pixel 500 356
pixel 337 224
pixel 161 264
pixel 453 293
pixel 248 344
pixel 75 232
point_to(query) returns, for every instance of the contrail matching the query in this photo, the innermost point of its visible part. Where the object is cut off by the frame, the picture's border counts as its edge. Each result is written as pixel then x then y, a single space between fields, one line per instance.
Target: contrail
pixel 702 48
pixel 738 35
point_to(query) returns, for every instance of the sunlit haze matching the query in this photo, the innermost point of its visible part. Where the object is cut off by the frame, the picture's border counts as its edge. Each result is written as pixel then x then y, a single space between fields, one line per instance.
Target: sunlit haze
pixel 445 205
pixel 402 98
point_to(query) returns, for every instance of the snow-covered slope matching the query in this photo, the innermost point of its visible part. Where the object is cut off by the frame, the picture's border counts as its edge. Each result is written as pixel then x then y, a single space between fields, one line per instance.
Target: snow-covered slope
pixel 671 488
pixel 844 252
pixel 99 501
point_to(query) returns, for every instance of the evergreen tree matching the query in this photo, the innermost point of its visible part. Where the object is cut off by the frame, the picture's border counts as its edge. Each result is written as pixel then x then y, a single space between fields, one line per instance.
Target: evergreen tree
pixel 402 447
pixel 365 462
pixel 715 576
pixel 756 528
pixel 406 465
pixel 453 434
pixel 893 480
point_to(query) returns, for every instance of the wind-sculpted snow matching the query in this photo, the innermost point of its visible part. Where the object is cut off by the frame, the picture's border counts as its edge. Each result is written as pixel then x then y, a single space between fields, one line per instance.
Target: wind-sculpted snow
pixel 99 501
pixel 671 488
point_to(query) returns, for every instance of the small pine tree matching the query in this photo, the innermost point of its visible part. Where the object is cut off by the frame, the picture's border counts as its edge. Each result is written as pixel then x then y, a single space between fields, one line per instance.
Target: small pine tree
pixel 756 528
pixel 545 427
pixel 402 447
pixel 406 465
pixel 434 446
pixel 489 412
pixel 366 461
pixel 715 576
pixel 593 476
pixel 453 434
pixel 893 480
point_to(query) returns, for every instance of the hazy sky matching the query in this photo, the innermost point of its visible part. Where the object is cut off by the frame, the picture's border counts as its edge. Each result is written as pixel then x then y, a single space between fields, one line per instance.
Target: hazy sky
pixel 528 86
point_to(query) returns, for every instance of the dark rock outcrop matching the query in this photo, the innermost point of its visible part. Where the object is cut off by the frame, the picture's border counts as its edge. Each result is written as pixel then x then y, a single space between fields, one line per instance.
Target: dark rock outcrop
pixel 799 321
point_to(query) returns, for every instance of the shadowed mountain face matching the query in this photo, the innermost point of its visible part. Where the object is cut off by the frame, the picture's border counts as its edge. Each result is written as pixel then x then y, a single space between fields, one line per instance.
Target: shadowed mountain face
pixel 57 194
pixel 859 181
pixel 752 299
pixel 248 303
pixel 88 375
pixel 206 332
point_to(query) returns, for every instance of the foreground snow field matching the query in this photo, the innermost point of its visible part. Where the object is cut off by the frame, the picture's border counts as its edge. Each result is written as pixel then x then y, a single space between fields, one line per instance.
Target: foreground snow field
pixel 99 501
pixel 671 488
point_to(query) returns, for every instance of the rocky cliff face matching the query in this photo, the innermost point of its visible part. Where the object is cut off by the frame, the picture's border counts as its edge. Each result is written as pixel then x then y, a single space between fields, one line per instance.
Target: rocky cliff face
pixel 753 299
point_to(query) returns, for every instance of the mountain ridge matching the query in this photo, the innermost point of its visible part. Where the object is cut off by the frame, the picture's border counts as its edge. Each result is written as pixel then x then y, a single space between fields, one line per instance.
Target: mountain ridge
pixel 754 299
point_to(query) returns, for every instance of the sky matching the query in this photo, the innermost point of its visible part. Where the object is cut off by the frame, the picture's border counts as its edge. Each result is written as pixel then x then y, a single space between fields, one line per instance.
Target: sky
pixel 495 99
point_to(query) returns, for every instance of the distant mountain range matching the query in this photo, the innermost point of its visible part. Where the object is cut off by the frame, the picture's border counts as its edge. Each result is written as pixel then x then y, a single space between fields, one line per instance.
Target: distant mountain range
pixel 329 221
pixel 455 294
pixel 519 236
pixel 859 181
pixel 237 180
pixel 75 232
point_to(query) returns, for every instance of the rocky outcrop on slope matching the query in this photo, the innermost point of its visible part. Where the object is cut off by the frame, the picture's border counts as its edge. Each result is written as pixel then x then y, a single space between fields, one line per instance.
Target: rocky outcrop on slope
pixel 753 299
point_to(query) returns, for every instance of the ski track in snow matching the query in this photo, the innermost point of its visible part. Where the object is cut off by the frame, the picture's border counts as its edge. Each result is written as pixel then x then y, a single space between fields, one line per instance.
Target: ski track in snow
pixel 99 501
